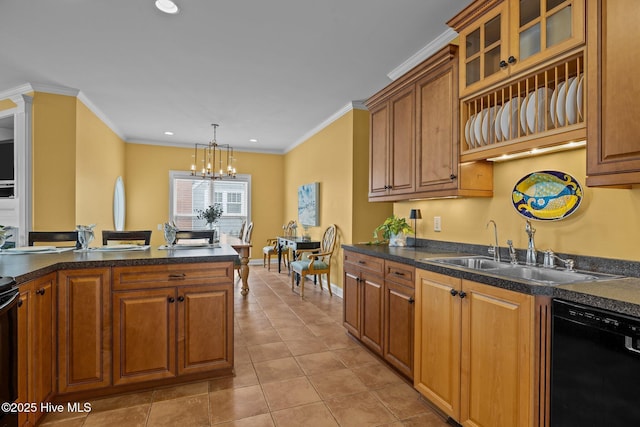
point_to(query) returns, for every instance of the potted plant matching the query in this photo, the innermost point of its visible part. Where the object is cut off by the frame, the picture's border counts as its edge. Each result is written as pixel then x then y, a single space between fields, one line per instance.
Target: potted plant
pixel 393 230
pixel 211 214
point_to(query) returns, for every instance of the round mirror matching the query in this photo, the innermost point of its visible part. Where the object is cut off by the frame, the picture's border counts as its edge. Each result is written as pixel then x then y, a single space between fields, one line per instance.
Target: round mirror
pixel 118 205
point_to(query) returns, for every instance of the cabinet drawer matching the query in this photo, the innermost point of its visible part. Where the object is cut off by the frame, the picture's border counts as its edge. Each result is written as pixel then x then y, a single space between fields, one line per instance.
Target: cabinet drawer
pixel 364 262
pixel 399 273
pixel 154 276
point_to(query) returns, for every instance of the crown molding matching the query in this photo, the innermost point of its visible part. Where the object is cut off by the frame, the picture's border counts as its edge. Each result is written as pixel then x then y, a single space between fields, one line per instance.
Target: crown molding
pixel 189 146
pixel 353 105
pixel 102 116
pixel 55 90
pixel 424 53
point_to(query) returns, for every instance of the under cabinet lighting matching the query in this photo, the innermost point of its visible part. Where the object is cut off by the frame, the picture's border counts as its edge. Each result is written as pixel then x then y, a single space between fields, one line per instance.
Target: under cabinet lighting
pixel 253 140
pixel 168 133
pixel 537 151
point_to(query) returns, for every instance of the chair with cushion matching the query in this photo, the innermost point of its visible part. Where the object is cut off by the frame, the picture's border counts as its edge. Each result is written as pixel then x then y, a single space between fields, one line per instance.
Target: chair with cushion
pixel 54 237
pixel 316 262
pixel 246 238
pixel 195 235
pixel 126 236
pixel 272 248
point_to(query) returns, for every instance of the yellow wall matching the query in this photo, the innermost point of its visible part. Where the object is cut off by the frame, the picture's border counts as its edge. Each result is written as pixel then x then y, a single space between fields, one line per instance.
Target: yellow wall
pixel 331 157
pixel 605 225
pixel 99 161
pixel 147 189
pixel 54 162
pixel 6 104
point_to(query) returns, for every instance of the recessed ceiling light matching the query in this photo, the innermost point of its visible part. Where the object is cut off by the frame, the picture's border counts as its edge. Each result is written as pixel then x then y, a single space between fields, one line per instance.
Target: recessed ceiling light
pixel 253 140
pixel 168 133
pixel 167 6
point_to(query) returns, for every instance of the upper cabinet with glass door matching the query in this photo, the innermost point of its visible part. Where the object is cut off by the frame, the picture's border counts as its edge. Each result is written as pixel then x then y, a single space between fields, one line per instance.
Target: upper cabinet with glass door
pixel 499 38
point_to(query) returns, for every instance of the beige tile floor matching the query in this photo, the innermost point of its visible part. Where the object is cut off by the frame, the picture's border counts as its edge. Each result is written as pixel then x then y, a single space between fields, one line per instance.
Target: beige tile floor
pixel 295 366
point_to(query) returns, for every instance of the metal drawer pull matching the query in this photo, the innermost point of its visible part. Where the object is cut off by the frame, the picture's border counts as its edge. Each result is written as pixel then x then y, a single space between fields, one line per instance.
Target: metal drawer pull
pixel 177 276
pixel 397 273
pixel 40 291
pixel 361 261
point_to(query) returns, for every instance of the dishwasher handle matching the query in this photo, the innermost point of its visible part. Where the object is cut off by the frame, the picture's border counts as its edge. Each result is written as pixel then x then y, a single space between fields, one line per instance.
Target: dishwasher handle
pixel 8 305
pixel 628 344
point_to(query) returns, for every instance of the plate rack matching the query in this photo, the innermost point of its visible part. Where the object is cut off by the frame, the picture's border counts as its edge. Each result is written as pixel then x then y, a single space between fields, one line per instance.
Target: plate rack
pixel 542 109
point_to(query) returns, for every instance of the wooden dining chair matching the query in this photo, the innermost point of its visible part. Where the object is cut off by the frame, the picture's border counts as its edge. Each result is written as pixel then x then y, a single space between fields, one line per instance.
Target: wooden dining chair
pixel 315 262
pixel 195 234
pixel 272 248
pixel 126 236
pixel 53 237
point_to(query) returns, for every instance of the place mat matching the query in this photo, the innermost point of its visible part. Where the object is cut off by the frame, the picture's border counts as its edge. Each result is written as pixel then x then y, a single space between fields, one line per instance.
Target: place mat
pixel 116 248
pixel 189 246
pixel 32 250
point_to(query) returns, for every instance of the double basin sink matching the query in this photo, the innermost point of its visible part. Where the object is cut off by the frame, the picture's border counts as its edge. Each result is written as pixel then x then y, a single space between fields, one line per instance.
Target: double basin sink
pixel 547 276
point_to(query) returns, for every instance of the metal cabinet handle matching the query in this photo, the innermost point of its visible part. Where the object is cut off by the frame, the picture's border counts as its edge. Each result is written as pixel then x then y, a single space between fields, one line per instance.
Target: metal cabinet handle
pixel 20 302
pixel 180 298
pixel 511 60
pixel 171 300
pixel 40 291
pixel 177 276
pixel 463 294
pixel 503 64
pixel 452 177
pixel 398 273
pixel 411 300
pixel 453 292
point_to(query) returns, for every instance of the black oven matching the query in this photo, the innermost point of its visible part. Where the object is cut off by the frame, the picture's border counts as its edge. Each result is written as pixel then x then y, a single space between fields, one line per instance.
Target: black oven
pixel 595 367
pixel 9 297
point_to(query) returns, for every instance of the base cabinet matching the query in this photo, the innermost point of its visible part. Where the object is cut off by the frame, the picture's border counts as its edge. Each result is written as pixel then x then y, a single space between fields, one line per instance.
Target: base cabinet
pixel 36 353
pixel 84 329
pixel 474 351
pixel 171 320
pixel 378 307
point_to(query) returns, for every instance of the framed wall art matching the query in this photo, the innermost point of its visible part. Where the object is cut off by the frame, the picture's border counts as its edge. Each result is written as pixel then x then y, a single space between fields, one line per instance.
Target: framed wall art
pixel 308 204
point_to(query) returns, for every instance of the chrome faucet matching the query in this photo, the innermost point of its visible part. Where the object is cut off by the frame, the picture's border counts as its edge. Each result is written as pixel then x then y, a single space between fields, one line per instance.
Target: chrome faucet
pixel 550 261
pixel 494 249
pixel 512 253
pixel 532 254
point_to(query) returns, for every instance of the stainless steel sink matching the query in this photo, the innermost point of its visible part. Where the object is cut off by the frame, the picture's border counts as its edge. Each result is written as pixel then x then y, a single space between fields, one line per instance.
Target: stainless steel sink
pixel 473 262
pixel 523 272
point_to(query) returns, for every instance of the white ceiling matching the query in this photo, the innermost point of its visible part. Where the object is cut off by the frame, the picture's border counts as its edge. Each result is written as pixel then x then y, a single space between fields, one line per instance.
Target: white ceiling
pixel 274 70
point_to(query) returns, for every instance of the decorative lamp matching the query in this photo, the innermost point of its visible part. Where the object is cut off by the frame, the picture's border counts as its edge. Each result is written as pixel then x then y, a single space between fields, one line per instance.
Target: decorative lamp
pixel 212 154
pixel 415 214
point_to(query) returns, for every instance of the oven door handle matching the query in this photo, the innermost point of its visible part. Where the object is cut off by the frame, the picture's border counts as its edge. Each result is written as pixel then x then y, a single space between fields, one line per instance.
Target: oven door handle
pixel 9 304
pixel 628 344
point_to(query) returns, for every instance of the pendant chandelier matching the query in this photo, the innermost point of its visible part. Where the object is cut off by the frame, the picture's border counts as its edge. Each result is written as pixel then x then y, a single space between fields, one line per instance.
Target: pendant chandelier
pixel 208 159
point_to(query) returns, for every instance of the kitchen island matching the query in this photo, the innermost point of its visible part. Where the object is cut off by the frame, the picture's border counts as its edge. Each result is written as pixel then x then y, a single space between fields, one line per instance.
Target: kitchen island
pixel 104 322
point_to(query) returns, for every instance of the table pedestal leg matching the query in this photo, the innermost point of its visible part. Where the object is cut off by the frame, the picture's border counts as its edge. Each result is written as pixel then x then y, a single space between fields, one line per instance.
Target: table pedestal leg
pixel 244 275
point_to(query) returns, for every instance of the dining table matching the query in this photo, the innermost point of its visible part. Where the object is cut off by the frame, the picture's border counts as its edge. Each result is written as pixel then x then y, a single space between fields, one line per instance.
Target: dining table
pixel 244 249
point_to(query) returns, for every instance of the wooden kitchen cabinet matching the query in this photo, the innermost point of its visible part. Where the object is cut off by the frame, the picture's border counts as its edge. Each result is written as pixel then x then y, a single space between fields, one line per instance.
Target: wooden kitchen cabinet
pixel 392 145
pixel 499 38
pixel 474 351
pixel 414 137
pixel 399 292
pixel 613 151
pixel 36 353
pixel 378 307
pixel 171 320
pixel 84 329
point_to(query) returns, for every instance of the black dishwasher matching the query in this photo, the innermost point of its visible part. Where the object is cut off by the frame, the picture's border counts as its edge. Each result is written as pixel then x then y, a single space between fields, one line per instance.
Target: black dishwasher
pixel 595 367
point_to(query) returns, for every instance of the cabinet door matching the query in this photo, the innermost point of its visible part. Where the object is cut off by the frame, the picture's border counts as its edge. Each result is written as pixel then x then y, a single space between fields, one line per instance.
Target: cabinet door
pixel 371 333
pixel 483 44
pixel 613 151
pixel 42 370
pixel 399 326
pixel 497 357
pixel 205 328
pixel 379 150
pixel 402 142
pixel 541 29
pixel 437 135
pixel 437 340
pixel 144 330
pixel 351 301
pixel 84 329
pixel 25 355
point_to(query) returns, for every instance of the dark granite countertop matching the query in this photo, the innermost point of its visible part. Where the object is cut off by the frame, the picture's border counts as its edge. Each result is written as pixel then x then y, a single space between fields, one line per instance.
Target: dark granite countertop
pixel 25 267
pixel 619 295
